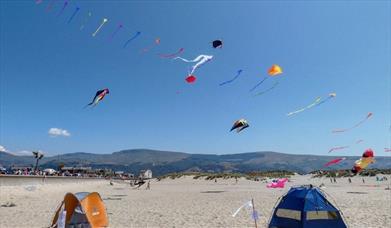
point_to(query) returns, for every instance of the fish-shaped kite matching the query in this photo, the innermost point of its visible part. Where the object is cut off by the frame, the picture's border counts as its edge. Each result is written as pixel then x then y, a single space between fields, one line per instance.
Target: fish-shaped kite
pixel 240 125
pixel 98 97
pixel 366 159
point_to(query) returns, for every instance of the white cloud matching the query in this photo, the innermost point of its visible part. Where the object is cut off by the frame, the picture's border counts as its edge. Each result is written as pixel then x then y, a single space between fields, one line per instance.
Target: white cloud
pixel 58 132
pixel 3 149
pixel 22 153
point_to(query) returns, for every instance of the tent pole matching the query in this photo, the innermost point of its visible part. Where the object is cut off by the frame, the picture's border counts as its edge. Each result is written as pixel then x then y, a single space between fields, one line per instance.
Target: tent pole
pixel 255 220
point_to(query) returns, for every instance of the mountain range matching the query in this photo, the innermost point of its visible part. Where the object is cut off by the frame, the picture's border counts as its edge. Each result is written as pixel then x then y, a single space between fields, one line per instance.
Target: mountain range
pixel 163 162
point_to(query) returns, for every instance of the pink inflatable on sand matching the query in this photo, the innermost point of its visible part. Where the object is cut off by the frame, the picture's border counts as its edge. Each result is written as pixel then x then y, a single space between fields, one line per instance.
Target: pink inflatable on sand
pixel 280 183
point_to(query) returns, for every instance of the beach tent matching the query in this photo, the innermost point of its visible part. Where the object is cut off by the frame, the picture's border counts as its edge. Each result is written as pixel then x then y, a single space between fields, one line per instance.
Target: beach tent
pixel 83 209
pixel 305 206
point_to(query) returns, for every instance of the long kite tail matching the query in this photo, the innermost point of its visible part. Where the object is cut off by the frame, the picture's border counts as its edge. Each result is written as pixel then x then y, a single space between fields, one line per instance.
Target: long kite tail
pixel 338 148
pixel 63 8
pixel 198 58
pixel 115 32
pixel 305 108
pixel 73 15
pixel 132 38
pixel 172 55
pixel 100 26
pixel 252 89
pixel 231 80
pixel 85 20
pixel 356 125
pixel 265 91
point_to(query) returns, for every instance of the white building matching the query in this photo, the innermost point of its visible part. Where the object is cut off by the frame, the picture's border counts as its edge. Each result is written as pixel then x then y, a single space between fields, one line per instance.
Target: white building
pixel 145 174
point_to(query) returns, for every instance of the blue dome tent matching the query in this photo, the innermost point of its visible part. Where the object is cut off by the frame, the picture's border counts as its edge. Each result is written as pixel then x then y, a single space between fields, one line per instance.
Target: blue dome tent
pixel 306 206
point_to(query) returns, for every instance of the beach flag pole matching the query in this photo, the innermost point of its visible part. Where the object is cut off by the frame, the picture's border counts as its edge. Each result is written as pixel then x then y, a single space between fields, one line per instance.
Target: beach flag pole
pixel 255 220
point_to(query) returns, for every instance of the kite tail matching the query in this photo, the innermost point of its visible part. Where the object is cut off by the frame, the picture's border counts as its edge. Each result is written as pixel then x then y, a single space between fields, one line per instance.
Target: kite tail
pixel 63 8
pixel 184 60
pixel 271 88
pixel 229 81
pixel 258 84
pixel 172 55
pixel 132 38
pixel 73 15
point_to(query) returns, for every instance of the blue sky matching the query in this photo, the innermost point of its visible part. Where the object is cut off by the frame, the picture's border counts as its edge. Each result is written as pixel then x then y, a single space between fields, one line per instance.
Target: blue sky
pixel 51 69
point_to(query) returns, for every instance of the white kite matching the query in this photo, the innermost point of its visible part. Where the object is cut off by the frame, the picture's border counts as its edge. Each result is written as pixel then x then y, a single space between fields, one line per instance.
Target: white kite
pixel 200 60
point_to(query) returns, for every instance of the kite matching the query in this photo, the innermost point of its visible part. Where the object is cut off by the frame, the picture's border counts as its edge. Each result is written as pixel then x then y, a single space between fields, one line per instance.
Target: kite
pixel 85 20
pixel 229 81
pixel 338 148
pixel 63 8
pixel 305 108
pixel 387 150
pixel 38 2
pixel 331 95
pixel 317 102
pixel 157 42
pixel 280 183
pixel 335 161
pixel 73 15
pixel 271 88
pixel 98 97
pixel 359 141
pixel 273 71
pixel 191 79
pixel 104 21
pixel 240 125
pixel 50 6
pixel 201 60
pixel 356 125
pixel 115 31
pixel 132 38
pixel 169 56
pixel 366 159
pixel 217 44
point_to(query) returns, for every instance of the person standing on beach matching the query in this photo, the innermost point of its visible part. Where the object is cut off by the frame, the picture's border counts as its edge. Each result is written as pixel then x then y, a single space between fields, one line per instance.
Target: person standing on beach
pixel 148 185
pixel 363 181
pixel 350 180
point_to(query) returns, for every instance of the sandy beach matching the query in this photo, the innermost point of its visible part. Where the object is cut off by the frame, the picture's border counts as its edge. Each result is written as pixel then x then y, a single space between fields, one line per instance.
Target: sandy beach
pixel 186 202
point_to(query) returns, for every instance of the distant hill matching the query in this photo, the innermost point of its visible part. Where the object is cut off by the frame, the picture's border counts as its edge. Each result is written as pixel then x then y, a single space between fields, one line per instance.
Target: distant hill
pixel 163 162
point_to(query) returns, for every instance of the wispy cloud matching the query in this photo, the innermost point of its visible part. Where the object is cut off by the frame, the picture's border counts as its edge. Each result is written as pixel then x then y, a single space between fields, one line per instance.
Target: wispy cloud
pixel 54 132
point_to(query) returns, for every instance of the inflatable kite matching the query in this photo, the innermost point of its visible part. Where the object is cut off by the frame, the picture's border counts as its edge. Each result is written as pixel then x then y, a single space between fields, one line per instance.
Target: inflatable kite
pixel 356 125
pixel 366 159
pixel 99 96
pixel 273 71
pixel 217 44
pixel 199 60
pixel 240 125
pixel 280 183
pixel 333 162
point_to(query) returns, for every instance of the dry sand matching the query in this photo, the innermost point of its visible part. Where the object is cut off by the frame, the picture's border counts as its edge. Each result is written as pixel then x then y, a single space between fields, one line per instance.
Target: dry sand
pixel 186 202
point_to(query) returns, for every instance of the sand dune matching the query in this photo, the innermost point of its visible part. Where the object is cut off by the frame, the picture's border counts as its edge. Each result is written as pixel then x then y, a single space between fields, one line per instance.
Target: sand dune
pixel 186 202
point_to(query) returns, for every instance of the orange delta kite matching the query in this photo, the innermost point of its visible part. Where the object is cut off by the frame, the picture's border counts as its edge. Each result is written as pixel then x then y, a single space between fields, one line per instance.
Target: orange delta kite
pixel 366 159
pixel 275 70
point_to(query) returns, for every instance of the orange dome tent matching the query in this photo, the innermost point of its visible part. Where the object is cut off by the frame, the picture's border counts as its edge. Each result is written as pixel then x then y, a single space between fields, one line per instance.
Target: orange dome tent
pixel 81 209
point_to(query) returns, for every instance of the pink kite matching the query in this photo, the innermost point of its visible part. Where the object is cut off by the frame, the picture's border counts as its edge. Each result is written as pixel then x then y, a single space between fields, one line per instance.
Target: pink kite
pixel 170 56
pixel 356 125
pixel 335 161
pixel 338 148
pixel 280 183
